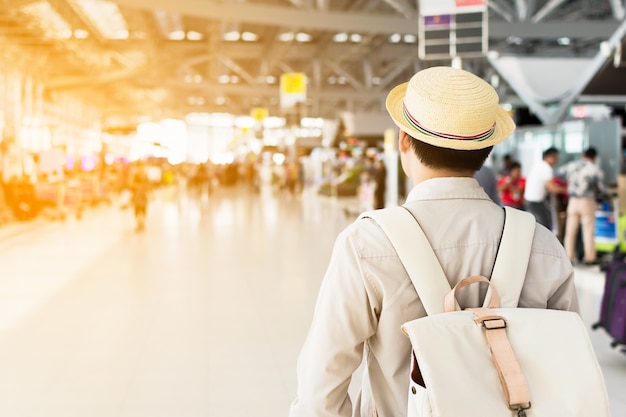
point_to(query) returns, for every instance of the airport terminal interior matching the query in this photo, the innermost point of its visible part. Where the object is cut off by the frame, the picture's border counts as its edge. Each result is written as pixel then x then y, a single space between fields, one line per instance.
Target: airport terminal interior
pixel 174 175
pixel 203 314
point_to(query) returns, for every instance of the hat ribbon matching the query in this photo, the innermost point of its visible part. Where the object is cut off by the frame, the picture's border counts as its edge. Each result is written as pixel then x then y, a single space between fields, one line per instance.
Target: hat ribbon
pixel 479 137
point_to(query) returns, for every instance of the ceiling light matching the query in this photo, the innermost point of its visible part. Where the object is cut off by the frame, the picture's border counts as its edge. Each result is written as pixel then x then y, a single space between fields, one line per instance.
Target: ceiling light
pixel 395 38
pixel 494 80
pixel 177 35
pixel 234 79
pixel 342 80
pixel 270 79
pixel 51 22
pixel 340 37
pixel 273 122
pixel 138 35
pixel 231 36
pixel 376 81
pixel 192 35
pixel 245 122
pixel 81 34
pixel 356 38
pixel 196 101
pixel 514 40
pixel 220 101
pixel 249 37
pixel 106 16
pixel 303 37
pixel 564 41
pixel 223 79
pixel 193 78
pixel 410 38
pixel 286 37
pixel 332 80
pixel 312 122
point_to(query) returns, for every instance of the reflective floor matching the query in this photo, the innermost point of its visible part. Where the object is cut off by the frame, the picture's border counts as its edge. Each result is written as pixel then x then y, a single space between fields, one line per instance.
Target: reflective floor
pixel 203 314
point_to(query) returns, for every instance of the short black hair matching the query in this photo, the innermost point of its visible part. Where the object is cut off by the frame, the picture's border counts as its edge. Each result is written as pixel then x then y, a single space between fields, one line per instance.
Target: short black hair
pixel 515 164
pixel 550 151
pixel 590 152
pixel 452 159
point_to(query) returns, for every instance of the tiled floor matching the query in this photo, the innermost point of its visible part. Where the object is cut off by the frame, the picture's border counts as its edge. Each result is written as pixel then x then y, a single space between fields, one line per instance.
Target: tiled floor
pixel 201 315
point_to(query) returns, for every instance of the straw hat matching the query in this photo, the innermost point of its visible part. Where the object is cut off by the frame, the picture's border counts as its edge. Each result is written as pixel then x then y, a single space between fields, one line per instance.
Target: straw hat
pixel 449 108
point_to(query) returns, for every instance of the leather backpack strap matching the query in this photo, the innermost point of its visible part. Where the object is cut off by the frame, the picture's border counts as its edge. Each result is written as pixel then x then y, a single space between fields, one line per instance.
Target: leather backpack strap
pixel 416 254
pixel 511 263
pixel 510 373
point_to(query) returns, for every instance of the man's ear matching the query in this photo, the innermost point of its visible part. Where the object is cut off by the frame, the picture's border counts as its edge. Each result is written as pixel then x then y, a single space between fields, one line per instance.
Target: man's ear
pixel 404 141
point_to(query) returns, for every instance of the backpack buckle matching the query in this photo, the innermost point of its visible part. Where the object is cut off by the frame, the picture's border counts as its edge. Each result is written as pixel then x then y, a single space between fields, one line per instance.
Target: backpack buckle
pixel 494 323
pixel 520 408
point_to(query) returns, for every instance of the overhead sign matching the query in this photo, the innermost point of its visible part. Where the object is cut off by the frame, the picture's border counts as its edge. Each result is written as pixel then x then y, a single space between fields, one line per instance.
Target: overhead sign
pixel 292 88
pixel 452 29
pixel 259 113
pixel 439 7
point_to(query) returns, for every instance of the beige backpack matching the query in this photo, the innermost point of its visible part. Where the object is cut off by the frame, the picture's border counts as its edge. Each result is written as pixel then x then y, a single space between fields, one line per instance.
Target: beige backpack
pixel 497 360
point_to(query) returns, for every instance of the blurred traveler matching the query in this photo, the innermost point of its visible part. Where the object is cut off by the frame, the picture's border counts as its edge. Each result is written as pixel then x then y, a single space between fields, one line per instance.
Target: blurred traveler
pixel 449 120
pixel 5 213
pixel 366 192
pixel 585 182
pixel 211 177
pixel 507 164
pixel 379 174
pixel 511 187
pixel 540 185
pixel 140 187
pixel 487 179
pixel 291 177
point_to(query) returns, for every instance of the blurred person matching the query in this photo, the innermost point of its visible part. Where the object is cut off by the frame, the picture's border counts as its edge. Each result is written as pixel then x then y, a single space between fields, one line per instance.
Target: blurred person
pixel 367 191
pixel 5 211
pixel 487 179
pixel 291 177
pixel 379 173
pixel 507 165
pixel 511 187
pixel 140 187
pixel 585 182
pixel 211 177
pixel 200 180
pixel 540 185
pixel 449 121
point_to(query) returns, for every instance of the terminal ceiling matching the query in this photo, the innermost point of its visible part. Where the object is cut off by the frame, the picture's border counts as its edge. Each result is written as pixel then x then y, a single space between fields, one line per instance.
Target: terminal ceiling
pixel 173 58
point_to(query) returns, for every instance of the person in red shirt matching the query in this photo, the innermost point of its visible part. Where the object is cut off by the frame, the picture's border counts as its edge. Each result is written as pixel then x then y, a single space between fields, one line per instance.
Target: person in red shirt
pixel 511 187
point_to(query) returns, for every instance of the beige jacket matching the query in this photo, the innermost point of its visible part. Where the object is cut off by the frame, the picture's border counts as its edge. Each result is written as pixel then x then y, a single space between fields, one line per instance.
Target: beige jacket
pixel 366 296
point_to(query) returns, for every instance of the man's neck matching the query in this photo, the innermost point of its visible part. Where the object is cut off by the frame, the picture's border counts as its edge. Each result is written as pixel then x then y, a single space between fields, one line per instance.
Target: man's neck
pixel 426 173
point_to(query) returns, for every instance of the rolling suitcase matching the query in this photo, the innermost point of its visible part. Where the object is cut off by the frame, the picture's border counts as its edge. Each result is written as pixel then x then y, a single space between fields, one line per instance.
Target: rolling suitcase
pixel 613 309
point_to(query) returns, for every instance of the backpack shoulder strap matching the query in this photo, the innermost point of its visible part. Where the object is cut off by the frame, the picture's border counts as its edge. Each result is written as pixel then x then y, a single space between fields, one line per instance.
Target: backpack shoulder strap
pixel 509 270
pixel 408 240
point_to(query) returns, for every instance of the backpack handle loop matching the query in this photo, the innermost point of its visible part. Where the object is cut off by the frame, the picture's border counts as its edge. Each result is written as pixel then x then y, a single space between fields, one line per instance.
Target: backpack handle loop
pixel 450 300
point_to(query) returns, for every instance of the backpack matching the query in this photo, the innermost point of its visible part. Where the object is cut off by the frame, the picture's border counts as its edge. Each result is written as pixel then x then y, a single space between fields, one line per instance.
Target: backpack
pixel 496 360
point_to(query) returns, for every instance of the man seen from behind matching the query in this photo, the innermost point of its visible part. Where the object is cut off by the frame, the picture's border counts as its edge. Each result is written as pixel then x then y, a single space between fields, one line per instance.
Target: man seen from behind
pixel 449 120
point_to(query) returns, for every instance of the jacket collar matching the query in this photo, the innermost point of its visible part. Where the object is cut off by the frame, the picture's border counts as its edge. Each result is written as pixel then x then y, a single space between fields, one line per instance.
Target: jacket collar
pixel 447 188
